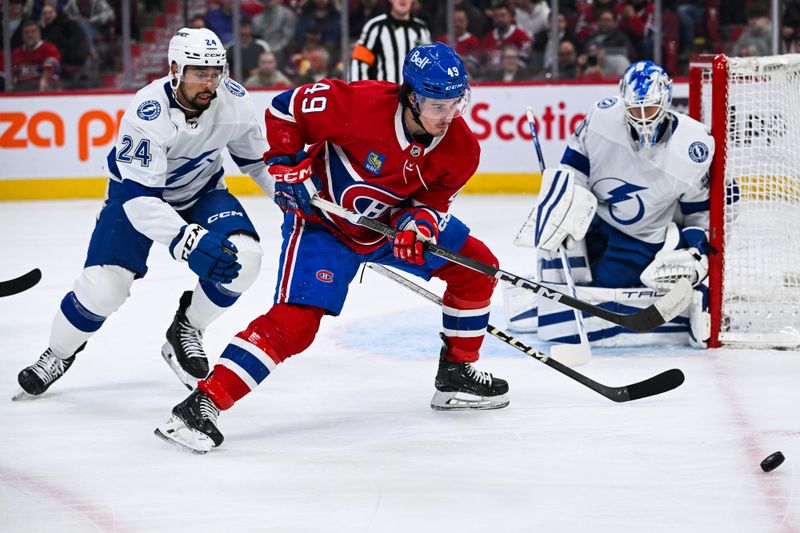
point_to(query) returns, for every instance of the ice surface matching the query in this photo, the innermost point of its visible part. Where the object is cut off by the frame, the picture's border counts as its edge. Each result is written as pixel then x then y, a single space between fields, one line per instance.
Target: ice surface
pixel 341 438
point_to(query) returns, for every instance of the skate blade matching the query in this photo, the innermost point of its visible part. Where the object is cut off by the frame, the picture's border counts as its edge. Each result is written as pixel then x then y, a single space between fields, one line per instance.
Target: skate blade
pixel 175 432
pixel 22 395
pixel 461 401
pixel 187 379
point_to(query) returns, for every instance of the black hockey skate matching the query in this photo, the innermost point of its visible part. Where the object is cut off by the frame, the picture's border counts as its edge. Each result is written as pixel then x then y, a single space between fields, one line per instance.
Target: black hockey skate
pixel 193 425
pixel 183 350
pixel 34 380
pixel 461 386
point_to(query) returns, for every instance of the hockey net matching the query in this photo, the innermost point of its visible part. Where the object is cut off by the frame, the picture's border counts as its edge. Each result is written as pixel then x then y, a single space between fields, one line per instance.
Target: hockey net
pixel 753 108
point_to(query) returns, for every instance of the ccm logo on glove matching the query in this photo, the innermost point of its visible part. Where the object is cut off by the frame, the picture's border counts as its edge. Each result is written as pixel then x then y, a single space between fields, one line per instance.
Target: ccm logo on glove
pixel 296 174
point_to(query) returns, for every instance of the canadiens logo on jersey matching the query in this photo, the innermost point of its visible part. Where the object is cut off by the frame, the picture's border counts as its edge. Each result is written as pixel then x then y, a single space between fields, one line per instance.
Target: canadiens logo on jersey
pixel 325 276
pixel 149 110
pixel 374 162
pixel 625 206
pixel 367 200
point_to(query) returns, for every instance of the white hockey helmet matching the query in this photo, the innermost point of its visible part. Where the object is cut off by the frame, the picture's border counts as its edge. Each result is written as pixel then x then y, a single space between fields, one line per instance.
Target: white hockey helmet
pixel 646 92
pixel 199 47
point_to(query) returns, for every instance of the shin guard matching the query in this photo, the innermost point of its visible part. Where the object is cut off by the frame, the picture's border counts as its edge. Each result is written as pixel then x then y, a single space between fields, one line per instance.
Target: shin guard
pixel 253 354
pixel 465 305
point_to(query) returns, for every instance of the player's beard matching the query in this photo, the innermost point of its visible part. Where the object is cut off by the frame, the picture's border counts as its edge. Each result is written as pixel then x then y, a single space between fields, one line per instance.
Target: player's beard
pixel 195 102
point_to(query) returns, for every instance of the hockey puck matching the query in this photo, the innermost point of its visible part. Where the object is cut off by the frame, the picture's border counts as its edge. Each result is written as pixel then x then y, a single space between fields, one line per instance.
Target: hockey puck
pixel 772 462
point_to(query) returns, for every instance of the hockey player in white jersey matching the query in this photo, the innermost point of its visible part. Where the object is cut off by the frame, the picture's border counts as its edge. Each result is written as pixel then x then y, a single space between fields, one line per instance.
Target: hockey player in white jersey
pixel 647 168
pixel 166 185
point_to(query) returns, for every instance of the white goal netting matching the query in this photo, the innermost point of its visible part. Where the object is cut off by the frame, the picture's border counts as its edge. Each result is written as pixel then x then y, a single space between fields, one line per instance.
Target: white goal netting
pixel 761 217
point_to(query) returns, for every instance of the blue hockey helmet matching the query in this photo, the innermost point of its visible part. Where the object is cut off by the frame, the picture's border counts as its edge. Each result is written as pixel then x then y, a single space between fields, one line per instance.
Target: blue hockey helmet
pixel 646 92
pixel 434 71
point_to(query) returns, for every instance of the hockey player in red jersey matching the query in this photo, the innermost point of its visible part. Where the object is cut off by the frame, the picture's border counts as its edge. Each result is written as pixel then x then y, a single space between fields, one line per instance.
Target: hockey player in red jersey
pixel 398 154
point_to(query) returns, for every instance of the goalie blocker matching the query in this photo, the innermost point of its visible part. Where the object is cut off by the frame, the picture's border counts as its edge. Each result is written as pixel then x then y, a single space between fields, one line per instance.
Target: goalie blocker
pixel 564 213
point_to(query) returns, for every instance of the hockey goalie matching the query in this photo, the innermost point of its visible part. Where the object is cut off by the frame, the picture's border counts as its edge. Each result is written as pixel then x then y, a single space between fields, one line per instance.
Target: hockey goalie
pixel 629 203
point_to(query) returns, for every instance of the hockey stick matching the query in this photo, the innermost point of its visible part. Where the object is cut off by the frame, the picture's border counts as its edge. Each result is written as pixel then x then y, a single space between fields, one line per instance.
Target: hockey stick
pixel 583 353
pixel 658 384
pixel 665 309
pixel 20 284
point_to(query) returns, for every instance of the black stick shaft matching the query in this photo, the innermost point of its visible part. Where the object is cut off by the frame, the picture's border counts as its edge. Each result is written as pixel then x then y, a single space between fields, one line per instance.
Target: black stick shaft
pixel 657 384
pixel 668 307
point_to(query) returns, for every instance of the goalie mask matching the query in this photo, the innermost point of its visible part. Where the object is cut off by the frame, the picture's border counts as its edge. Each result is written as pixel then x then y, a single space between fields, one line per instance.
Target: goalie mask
pixel 646 92
pixel 198 48
pixel 437 80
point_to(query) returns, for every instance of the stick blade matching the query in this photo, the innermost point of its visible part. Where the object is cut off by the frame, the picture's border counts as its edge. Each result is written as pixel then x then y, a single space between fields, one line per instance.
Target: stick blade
pixel 663 382
pixel 665 309
pixel 20 284
pixel 571 354
pixel 676 300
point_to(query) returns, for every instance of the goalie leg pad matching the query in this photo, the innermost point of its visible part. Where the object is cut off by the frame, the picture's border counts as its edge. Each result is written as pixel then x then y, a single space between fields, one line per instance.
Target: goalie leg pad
pixel 557 324
pixel 520 308
pixel 699 319
pixel 551 270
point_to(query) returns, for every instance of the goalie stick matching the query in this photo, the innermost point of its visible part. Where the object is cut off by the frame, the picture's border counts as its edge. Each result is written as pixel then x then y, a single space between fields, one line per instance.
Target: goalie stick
pixel 658 384
pixel 665 309
pixel 20 284
pixel 584 347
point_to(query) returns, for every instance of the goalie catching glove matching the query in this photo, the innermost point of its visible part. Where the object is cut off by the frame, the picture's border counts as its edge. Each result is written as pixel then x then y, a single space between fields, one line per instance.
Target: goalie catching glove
pixel 296 183
pixel 210 254
pixel 564 212
pixel 670 265
pixel 414 226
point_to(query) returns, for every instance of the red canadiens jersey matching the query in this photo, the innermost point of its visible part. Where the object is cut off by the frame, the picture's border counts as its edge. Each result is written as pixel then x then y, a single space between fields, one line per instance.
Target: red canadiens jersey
pixel 362 154
pixel 30 64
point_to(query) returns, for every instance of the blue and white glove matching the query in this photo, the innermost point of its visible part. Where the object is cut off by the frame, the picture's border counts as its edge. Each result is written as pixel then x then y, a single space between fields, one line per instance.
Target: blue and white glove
pixel 672 263
pixel 295 182
pixel 210 254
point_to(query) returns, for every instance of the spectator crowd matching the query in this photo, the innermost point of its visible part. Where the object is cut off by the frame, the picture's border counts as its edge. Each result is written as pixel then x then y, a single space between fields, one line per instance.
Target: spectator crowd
pixel 65 43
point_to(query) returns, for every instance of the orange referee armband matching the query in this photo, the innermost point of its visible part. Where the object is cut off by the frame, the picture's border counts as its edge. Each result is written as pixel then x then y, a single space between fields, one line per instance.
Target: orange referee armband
pixel 364 54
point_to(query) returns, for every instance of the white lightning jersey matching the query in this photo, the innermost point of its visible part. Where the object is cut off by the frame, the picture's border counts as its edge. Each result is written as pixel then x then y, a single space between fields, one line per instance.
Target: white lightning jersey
pixel 166 162
pixel 640 191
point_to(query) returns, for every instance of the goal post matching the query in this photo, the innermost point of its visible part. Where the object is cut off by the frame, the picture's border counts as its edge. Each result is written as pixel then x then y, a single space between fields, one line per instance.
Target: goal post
pixel 752 106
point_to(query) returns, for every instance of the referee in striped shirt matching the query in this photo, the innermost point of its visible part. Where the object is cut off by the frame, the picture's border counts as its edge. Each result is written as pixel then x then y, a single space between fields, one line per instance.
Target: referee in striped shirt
pixel 385 42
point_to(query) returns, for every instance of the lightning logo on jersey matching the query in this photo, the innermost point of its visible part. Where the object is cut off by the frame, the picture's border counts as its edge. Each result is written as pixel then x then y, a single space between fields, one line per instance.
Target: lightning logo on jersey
pixel 617 193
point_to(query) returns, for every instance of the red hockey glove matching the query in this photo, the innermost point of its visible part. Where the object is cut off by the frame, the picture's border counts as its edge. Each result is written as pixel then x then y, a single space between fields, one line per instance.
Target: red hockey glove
pixel 414 226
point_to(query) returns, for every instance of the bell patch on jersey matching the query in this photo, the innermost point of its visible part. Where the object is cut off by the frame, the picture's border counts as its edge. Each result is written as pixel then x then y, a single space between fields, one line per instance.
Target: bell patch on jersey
pixel 325 276
pixel 234 88
pixel 698 151
pixel 149 110
pixel 607 102
pixel 374 162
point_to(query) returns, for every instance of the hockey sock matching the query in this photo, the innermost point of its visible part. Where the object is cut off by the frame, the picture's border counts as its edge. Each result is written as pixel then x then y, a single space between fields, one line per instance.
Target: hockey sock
pixel 209 301
pixel 465 305
pixel 72 326
pixel 464 323
pixel 253 354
